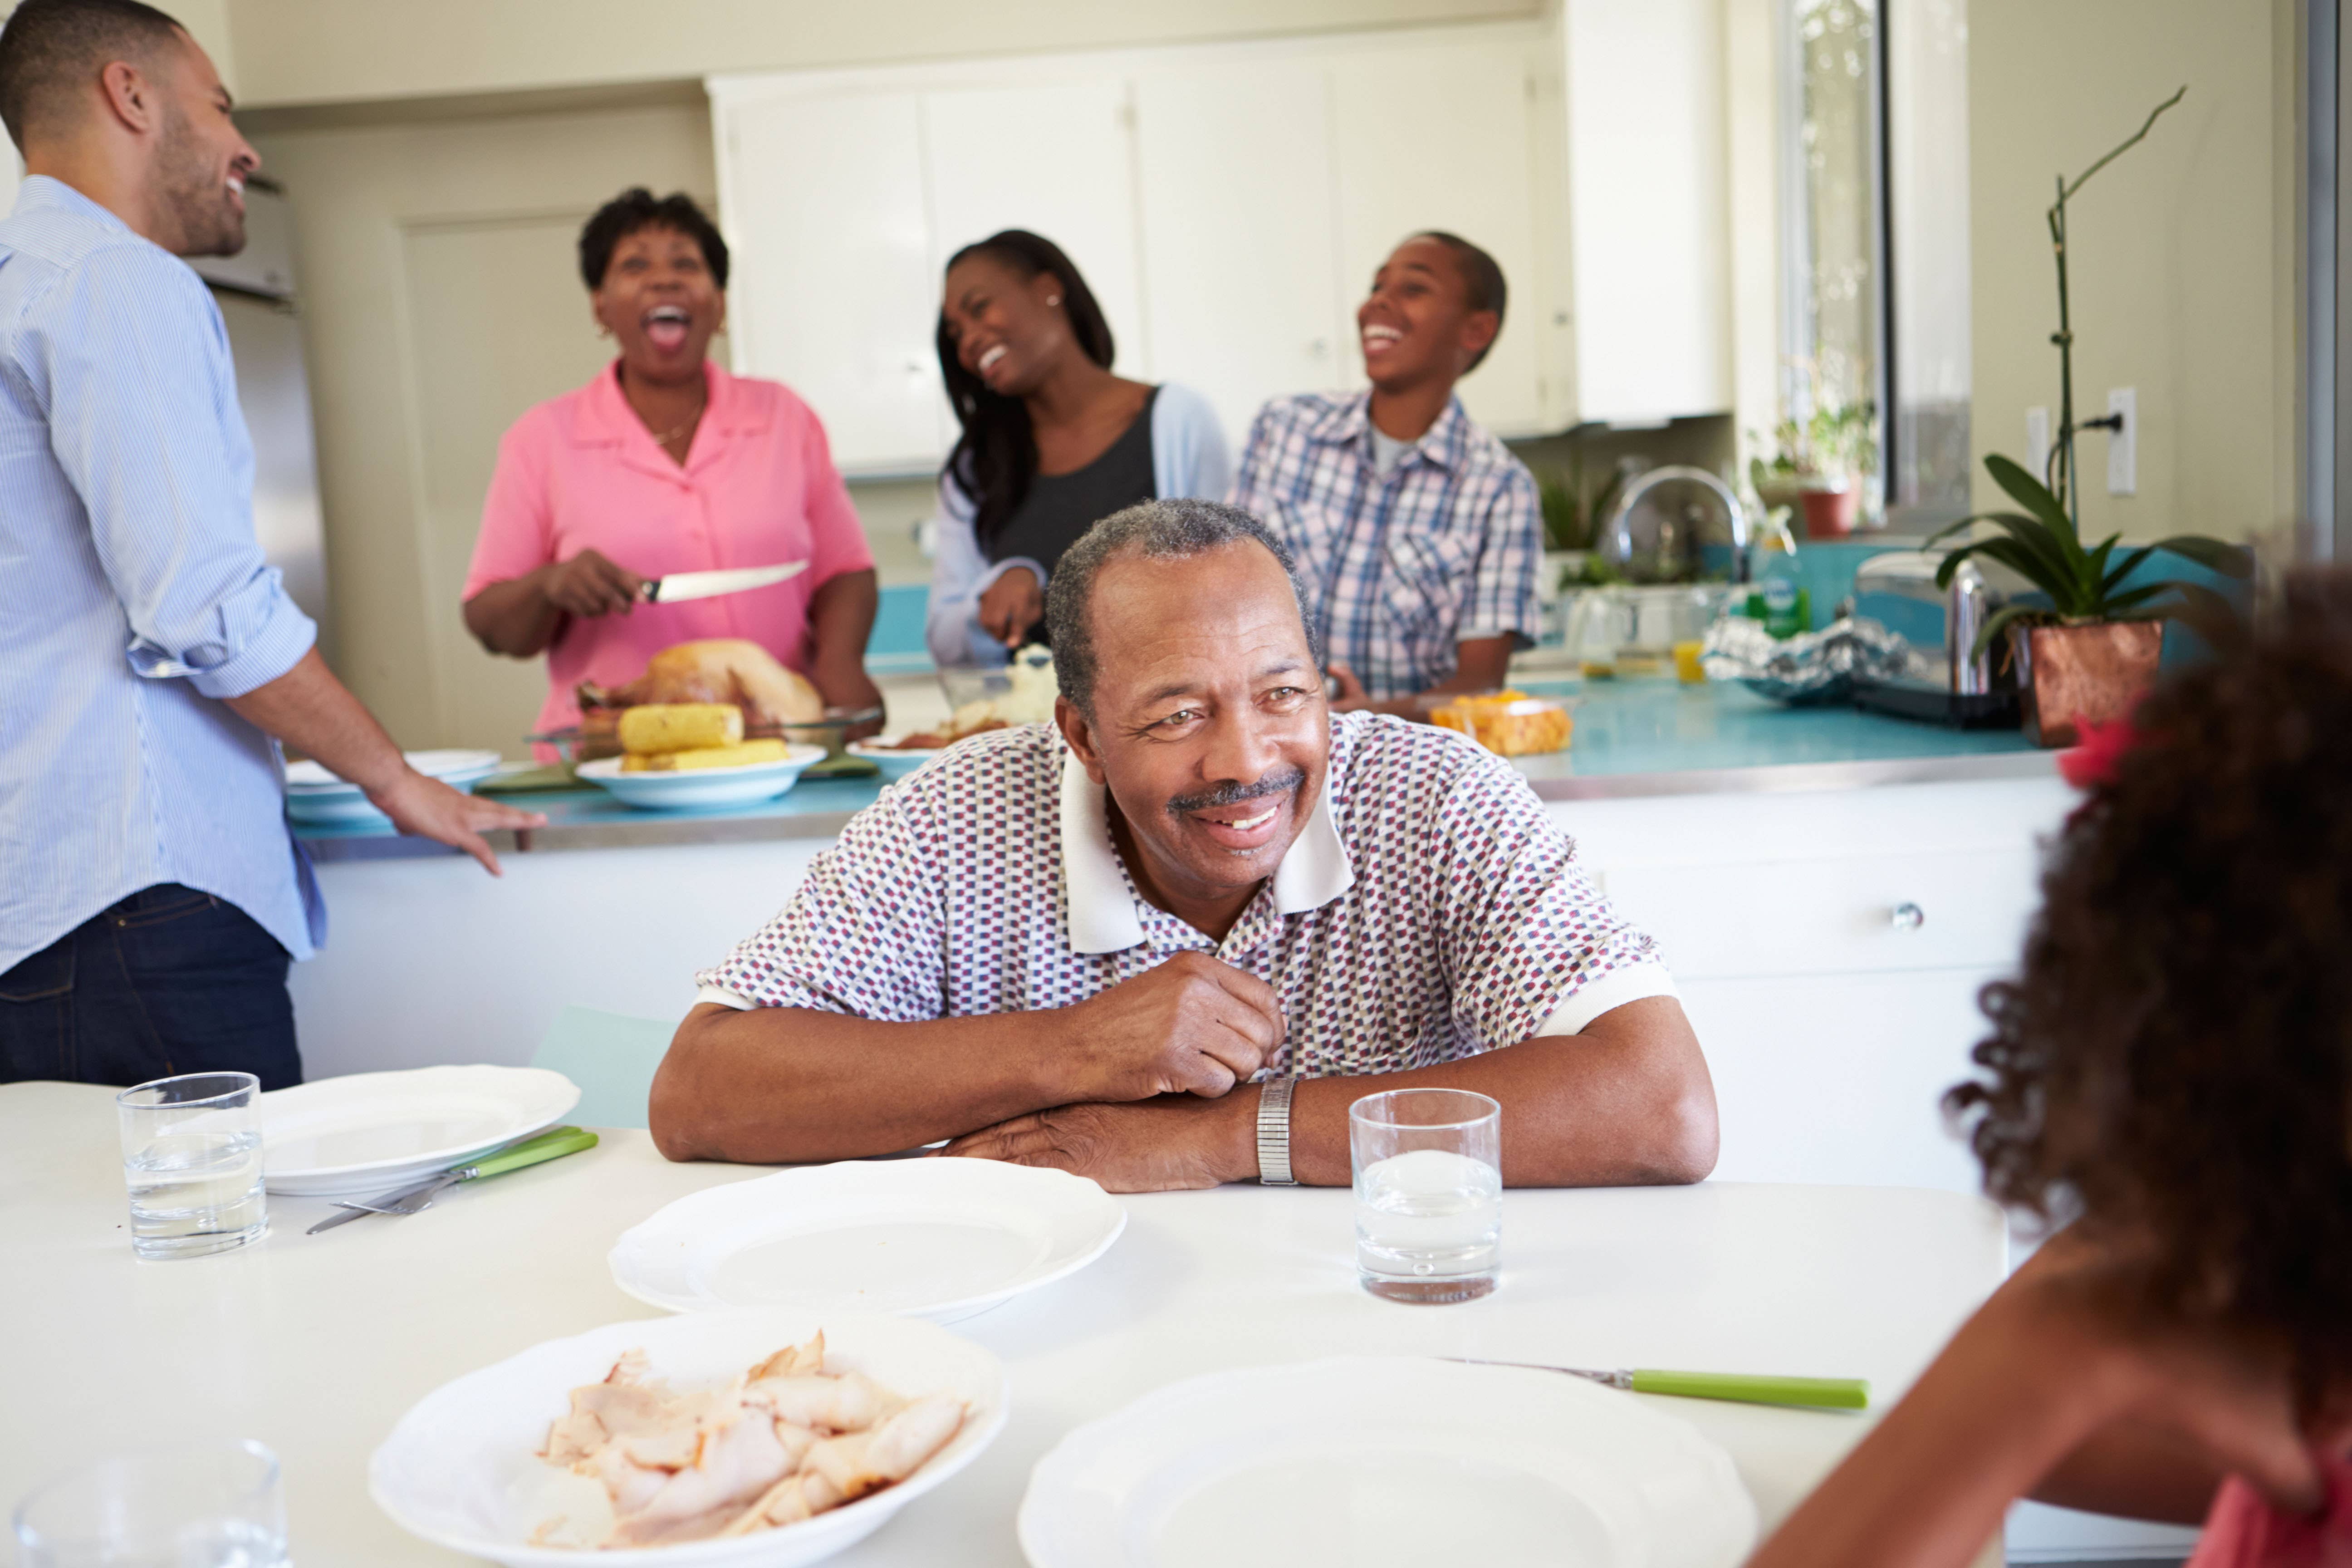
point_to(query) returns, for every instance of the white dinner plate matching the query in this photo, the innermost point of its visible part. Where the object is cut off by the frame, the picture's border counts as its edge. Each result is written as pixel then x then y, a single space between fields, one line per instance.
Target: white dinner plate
pixel 316 796
pixel 926 1238
pixel 462 1470
pixel 1374 1461
pixel 698 787
pixel 894 763
pixel 370 1131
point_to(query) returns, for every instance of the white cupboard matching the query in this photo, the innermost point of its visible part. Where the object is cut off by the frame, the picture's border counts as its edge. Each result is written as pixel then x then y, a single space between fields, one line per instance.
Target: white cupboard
pixel 1228 205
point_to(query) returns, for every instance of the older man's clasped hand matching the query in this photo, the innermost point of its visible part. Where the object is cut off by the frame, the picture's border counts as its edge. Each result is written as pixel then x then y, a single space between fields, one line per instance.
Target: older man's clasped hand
pixel 1156 1053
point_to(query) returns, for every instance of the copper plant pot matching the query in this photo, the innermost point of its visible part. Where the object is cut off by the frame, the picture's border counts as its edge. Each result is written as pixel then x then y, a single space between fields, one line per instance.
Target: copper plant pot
pixel 2096 674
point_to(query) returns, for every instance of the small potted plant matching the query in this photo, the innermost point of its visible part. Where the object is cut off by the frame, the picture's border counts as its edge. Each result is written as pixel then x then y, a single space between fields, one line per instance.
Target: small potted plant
pixel 1573 510
pixel 2090 653
pixel 1841 440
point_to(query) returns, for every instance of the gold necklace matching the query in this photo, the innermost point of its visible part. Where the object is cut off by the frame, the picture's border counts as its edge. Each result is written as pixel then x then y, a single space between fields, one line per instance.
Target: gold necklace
pixel 672 433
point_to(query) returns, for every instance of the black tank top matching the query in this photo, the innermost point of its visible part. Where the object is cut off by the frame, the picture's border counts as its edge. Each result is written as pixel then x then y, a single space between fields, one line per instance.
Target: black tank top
pixel 1061 507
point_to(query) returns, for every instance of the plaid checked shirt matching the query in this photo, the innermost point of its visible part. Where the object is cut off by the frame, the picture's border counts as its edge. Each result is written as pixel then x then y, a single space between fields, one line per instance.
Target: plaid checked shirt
pixel 1398 570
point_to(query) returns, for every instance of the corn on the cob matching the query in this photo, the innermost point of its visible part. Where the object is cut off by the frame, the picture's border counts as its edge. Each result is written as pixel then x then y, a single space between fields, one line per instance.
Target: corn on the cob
pixel 734 756
pixel 651 729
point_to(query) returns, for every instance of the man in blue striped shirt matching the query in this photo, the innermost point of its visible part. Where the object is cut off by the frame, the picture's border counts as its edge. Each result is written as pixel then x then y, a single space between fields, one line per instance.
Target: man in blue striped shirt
pixel 151 894
pixel 1419 534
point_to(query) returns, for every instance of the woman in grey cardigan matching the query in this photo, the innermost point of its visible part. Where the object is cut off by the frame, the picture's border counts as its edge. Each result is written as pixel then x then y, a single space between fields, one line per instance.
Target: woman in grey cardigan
pixel 1052 442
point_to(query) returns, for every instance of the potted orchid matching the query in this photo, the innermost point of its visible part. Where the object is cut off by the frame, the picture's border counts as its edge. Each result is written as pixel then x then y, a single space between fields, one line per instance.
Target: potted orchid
pixel 2089 653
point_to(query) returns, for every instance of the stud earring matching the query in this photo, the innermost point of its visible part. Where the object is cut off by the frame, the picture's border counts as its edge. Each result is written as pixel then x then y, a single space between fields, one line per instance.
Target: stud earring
pixel 1052 300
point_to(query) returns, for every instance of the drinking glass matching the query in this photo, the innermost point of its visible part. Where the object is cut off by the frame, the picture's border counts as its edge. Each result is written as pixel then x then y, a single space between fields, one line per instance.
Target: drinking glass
pixel 196 1505
pixel 192 1158
pixel 1429 1193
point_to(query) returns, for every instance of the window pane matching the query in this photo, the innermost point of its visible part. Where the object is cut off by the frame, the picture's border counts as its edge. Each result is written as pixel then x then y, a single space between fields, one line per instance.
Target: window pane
pixel 1837 59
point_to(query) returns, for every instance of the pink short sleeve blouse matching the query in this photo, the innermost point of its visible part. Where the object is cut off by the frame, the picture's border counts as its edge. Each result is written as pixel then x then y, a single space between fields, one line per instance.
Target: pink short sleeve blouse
pixel 581 472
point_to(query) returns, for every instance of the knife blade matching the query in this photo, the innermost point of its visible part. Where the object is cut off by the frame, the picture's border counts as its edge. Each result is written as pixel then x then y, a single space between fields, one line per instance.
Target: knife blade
pixel 550 1145
pixel 680 585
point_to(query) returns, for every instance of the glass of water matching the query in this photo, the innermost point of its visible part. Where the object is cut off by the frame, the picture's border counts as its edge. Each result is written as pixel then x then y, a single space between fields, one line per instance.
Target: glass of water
pixel 197 1505
pixel 192 1156
pixel 1429 1193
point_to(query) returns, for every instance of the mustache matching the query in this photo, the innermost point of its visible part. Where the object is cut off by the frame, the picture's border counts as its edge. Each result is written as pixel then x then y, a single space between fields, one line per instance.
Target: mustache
pixel 1282 781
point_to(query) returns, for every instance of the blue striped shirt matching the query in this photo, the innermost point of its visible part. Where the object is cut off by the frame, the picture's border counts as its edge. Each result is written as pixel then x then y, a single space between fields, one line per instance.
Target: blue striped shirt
pixel 134 596
pixel 1399 568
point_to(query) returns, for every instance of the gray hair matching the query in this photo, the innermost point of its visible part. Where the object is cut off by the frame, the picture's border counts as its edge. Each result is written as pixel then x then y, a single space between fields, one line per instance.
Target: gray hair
pixel 1171 530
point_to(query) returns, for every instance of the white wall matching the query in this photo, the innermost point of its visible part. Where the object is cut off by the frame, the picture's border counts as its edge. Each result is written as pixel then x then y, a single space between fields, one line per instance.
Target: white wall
pixel 316 51
pixel 2183 252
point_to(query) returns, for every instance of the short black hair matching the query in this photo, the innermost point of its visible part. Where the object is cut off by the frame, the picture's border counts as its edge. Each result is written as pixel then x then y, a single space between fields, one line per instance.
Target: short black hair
pixel 1482 281
pixel 50 49
pixel 639 208
pixel 1170 530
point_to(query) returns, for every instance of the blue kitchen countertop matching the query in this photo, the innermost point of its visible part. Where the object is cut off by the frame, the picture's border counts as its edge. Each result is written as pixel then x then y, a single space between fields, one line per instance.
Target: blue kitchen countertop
pixel 1631 738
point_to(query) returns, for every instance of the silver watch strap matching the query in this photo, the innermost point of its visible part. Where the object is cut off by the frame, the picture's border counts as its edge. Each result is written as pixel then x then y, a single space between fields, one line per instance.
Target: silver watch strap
pixel 1274 1132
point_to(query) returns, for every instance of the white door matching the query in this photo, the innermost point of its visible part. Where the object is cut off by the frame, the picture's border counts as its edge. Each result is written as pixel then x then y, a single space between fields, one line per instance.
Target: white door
pixel 1443 138
pixel 835 290
pixel 1238 191
pixel 1055 159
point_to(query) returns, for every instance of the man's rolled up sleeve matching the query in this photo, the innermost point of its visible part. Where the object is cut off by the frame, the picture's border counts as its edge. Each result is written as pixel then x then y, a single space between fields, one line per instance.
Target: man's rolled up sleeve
pixel 143 420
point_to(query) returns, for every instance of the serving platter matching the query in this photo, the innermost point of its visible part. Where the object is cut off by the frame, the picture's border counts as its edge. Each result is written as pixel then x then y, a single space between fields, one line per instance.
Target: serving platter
pixel 1369 1461
pixel 366 1133
pixel 461 1469
pixel 938 1239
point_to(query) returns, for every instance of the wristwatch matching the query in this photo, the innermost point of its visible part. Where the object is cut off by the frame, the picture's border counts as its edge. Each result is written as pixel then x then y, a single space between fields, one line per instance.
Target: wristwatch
pixel 1274 1132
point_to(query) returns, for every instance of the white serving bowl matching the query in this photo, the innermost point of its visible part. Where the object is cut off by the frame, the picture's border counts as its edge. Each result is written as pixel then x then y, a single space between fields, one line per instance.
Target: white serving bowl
pixel 462 1470
pixel 894 763
pixel 698 788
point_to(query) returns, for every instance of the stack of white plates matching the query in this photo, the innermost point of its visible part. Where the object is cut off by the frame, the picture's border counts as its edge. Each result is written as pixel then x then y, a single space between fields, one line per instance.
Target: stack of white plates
pixel 319 798
pixel 699 788
pixel 1379 1460
pixel 373 1131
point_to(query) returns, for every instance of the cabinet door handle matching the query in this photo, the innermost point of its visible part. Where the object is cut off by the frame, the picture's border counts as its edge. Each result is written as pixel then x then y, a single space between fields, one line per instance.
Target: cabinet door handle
pixel 1906 916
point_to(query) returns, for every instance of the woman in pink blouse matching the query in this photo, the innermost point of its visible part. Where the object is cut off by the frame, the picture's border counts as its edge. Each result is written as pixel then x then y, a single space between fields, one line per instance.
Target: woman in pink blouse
pixel 665 463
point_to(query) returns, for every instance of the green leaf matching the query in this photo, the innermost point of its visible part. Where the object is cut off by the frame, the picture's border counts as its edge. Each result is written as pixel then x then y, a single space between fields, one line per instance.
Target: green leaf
pixel 2029 492
pixel 2068 596
pixel 2099 553
pixel 2229 560
pixel 2124 569
pixel 2000 621
pixel 2204 612
pixel 2035 537
pixel 2131 598
pixel 2034 496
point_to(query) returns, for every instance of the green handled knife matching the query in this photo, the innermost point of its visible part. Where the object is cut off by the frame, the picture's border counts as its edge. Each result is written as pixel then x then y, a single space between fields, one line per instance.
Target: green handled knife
pixel 1814 1393
pixel 549 1145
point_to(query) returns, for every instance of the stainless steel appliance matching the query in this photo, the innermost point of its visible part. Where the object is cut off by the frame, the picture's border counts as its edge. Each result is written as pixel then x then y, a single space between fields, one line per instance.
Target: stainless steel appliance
pixel 255 291
pixel 1942 682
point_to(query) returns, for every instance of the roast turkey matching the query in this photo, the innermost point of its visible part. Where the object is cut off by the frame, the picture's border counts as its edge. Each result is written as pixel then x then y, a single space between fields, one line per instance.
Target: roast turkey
pixel 718 670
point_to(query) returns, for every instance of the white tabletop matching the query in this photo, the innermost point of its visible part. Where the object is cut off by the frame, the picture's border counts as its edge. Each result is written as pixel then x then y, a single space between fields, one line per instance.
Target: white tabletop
pixel 316 1345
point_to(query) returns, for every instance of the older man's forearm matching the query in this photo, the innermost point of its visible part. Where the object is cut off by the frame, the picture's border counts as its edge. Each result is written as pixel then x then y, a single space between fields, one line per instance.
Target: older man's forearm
pixel 1628 1103
pixel 776 1084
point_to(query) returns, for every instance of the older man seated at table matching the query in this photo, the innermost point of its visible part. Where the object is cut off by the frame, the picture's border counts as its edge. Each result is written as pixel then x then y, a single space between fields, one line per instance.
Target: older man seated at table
pixel 1081 944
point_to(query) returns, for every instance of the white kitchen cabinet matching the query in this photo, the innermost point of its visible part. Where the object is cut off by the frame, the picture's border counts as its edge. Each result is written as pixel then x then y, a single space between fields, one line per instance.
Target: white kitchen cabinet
pixel 835 289
pixel 1650 242
pixel 1237 202
pixel 1228 205
pixel 1054 158
pixel 1443 138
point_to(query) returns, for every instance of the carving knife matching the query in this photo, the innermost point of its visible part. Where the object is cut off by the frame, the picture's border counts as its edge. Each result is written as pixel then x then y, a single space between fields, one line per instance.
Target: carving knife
pixel 680 585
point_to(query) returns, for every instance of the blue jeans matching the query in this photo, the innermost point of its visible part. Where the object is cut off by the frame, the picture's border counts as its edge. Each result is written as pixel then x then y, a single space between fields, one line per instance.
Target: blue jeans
pixel 168 981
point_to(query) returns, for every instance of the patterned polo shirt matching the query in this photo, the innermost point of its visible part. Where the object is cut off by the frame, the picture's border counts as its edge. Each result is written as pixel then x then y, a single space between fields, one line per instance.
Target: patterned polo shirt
pixel 1401 567
pixel 1429 910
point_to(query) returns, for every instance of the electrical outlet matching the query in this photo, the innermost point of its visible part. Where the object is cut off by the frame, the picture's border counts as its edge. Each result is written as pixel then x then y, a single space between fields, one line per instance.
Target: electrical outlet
pixel 2123 442
pixel 2037 441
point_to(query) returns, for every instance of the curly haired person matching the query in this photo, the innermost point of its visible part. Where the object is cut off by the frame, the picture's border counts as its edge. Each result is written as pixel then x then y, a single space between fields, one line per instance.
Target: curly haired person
pixel 2170 1079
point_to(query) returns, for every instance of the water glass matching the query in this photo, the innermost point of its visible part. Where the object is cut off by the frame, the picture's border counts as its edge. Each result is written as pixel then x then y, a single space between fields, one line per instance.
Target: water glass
pixel 192 1158
pixel 197 1505
pixel 1429 1193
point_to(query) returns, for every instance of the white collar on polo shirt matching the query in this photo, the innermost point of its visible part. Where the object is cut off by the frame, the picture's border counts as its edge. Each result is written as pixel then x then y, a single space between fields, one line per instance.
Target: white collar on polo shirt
pixel 1314 870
